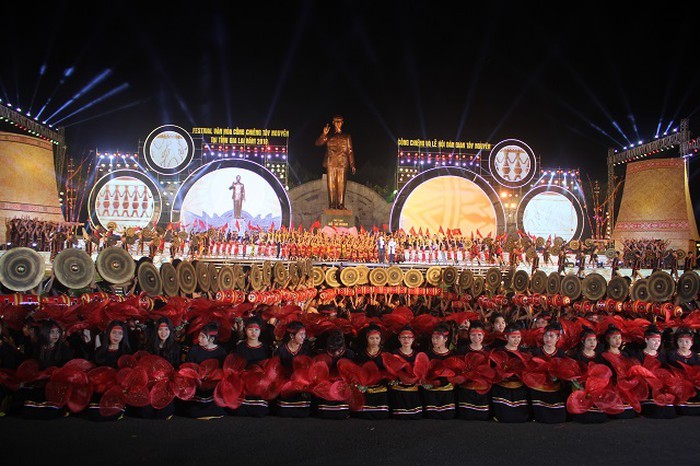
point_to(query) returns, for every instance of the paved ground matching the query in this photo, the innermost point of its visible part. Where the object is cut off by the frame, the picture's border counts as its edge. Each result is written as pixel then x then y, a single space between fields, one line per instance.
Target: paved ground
pixel 272 440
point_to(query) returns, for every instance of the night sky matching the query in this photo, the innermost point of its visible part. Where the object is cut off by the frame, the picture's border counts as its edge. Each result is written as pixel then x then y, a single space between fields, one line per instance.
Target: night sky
pixel 570 82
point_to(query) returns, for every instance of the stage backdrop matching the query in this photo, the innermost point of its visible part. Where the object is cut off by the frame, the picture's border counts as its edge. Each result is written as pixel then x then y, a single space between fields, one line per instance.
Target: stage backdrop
pixel 656 204
pixel 28 187
pixel 453 198
pixel 206 200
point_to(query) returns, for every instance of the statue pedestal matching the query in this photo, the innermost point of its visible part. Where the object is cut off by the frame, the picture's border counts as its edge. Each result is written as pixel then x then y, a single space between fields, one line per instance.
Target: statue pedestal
pixel 338 218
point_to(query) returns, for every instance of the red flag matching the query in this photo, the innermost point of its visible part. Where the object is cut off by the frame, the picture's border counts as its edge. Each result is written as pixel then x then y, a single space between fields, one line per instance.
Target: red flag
pixel 250 225
pixel 456 231
pixel 283 228
pixel 449 233
pixel 385 227
pixel 169 227
pixel 427 232
pixel 489 235
pixel 401 232
pixel 272 227
pixel 472 235
pixel 316 224
pixel 291 228
pixel 374 228
pixel 238 226
pixel 420 231
pixel 362 230
pixel 478 233
pixel 522 233
pixel 225 227
pixel 441 231
pixel 412 231
pixel 301 228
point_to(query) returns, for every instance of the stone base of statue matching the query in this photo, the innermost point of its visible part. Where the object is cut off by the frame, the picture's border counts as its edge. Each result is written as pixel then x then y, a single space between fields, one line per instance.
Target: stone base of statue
pixel 337 218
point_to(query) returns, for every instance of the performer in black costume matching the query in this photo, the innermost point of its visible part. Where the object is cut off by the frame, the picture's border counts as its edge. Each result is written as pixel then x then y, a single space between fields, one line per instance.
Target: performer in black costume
pixel 405 400
pixel 202 405
pixel 549 401
pixel 376 396
pixel 294 344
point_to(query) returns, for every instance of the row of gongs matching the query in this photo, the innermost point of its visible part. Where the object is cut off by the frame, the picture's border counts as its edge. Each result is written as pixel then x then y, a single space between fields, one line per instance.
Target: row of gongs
pixel 23 269
pixel 658 287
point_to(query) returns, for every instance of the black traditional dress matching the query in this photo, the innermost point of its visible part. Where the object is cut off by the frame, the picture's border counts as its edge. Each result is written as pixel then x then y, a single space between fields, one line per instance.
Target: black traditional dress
pixel 405 400
pixel 202 405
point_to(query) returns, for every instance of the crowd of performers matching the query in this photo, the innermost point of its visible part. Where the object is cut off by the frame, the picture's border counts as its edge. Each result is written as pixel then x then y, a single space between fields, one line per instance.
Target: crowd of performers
pixel 41 235
pixel 361 247
pixel 379 358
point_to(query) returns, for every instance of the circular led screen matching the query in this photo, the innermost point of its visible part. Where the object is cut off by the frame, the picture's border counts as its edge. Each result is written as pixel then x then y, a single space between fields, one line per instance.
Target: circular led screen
pixel 512 163
pixel 454 199
pixel 127 198
pixel 233 198
pixel 551 212
pixel 168 149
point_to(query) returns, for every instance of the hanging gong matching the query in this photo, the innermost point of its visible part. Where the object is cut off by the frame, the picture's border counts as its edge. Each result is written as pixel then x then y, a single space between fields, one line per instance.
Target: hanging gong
pixel 539 242
pixel 378 276
pixel 574 244
pixel 362 274
pixel 294 273
pixel 610 253
pixel 594 287
pixel 182 235
pixel 558 241
pixel 168 278
pixel 394 275
pixel 203 279
pixel 588 242
pixel 618 289
pixel 571 286
pixel 553 283
pixel 226 278
pixel 508 279
pixel 433 275
pixel 538 282
pixel 279 272
pixel 267 272
pixel 74 268
pixel 413 278
pixel 521 281
pixel 239 277
pixel 331 277
pixel 22 269
pixel 639 291
pixel 531 252
pixel 112 225
pixel 255 277
pixel 680 253
pixel 477 286
pixel 661 286
pixel 186 277
pixel 115 265
pixel 301 270
pixel 465 279
pixel 688 286
pixel 317 275
pixel 348 276
pixel 449 275
pixel 493 278
pixel 149 279
pixel 555 250
pixel 213 278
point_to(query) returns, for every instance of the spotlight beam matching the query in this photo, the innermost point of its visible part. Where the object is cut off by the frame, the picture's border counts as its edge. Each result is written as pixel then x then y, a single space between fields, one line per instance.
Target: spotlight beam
pixel 107 95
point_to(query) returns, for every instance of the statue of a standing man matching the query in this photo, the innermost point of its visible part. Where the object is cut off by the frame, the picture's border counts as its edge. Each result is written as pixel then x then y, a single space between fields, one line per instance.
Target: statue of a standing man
pixel 339 157
pixel 238 196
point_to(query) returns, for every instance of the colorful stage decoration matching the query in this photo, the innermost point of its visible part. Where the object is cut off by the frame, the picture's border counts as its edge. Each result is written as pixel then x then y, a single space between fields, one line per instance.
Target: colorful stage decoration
pixel 451 184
